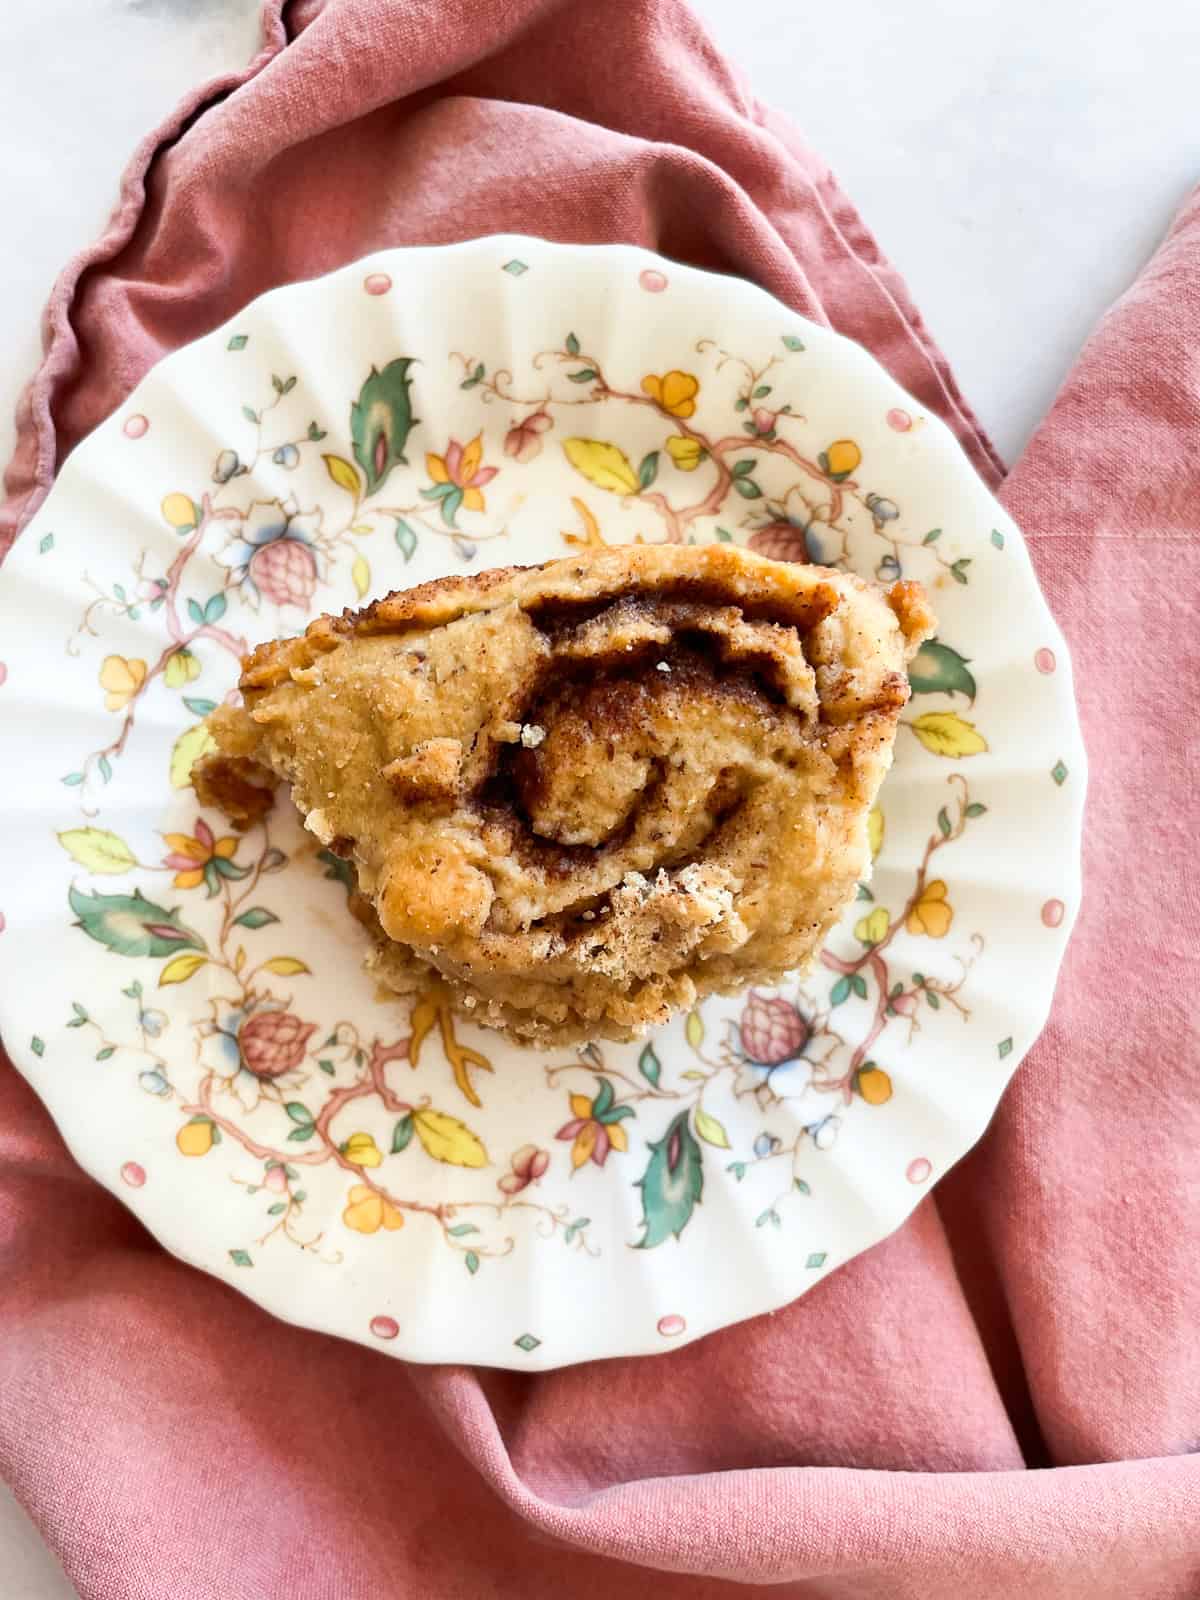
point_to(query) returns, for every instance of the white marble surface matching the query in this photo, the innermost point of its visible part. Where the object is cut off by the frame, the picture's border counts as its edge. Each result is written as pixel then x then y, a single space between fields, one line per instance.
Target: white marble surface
pixel 1017 159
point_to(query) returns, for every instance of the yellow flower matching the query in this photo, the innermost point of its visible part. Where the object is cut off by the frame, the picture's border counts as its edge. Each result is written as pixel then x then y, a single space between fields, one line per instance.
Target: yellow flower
pixel 675 392
pixel 873 927
pixel 367 1211
pixel 195 1138
pixel 874 1085
pixel 180 511
pixel 192 853
pixel 931 915
pixel 362 1150
pixel 842 457
pixel 180 669
pixel 121 679
pixel 687 454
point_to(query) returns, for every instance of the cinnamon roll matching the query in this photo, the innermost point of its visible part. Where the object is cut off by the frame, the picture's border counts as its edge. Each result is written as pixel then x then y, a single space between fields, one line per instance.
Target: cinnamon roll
pixel 583 795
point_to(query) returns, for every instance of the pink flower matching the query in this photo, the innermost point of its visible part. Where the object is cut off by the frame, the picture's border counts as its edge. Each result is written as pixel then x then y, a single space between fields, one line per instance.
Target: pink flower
pixel 764 421
pixel 780 541
pixel 285 571
pixel 524 439
pixel 772 1030
pixel 528 1165
pixel 276 1179
pixel 273 1042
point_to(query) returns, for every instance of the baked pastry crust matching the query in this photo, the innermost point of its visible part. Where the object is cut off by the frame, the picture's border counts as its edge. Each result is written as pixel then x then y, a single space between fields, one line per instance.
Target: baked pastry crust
pixel 586 794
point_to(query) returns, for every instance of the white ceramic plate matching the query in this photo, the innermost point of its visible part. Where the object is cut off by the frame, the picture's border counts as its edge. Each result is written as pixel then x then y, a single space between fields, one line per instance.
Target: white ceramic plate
pixel 191 1007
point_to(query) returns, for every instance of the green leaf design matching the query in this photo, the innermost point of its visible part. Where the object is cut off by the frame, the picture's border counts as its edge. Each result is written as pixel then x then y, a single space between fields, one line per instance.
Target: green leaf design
pixel 98 850
pixel 859 984
pixel 932 536
pixel 747 488
pixel 461 1229
pixel 937 669
pixel 241 1258
pixel 585 375
pixel 277 1209
pixel 671 1185
pixel 256 917
pixel 199 708
pixel 943 821
pixel 472 1261
pixel 327 1067
pixel 604 1097
pixel 575 1228
pixel 340 870
pixel 405 538
pixel 975 809
pixel 650 1066
pixel 840 992
pixel 131 925
pixel 381 420
pixel 298 1111
pixel 710 1129
pixel 791 342
pixel 38 1046
pixel 572 345
pixel 238 342
pixel 648 470
pixel 402 1134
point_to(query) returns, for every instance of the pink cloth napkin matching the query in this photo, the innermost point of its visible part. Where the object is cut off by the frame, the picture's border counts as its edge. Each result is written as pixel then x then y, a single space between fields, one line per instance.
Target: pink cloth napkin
pixel 998 1401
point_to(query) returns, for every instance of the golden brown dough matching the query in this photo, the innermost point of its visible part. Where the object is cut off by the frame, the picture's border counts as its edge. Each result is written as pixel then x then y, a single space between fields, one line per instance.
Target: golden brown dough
pixel 585 794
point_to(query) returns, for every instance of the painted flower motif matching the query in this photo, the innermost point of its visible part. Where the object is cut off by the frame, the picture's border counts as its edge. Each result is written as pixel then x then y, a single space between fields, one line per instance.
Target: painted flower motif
pixel 200 858
pixel 196 1138
pixel 153 1021
pixel 361 1150
pixel 764 422
pixel 881 510
pixel 873 1084
pixel 226 466
pixel 932 914
pixel 523 441
pixel 528 1165
pixel 675 392
pixel 458 478
pixel 687 454
pixel 840 460
pixel 180 511
pixel 275 556
pixel 252 1044
pixel 274 1042
pixel 276 1178
pixel 782 540
pixel 595 1128
pixel 773 1031
pixel 181 669
pixel 367 1211
pixel 121 678
pixel 873 928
